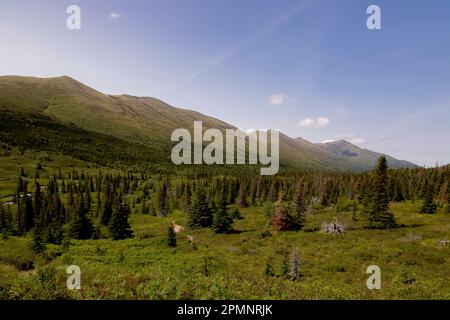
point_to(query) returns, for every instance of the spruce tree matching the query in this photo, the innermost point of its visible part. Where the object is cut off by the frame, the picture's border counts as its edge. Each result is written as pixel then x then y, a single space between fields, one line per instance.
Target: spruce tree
pixel 20 206
pixel 281 220
pixel 222 222
pixel 231 193
pixel 428 205
pixel 200 215
pixel 37 200
pixel 82 227
pixel 298 209
pixel 38 245
pixel 171 237
pixel 28 214
pixel 119 226
pixel 106 213
pixel 163 200
pixel 379 216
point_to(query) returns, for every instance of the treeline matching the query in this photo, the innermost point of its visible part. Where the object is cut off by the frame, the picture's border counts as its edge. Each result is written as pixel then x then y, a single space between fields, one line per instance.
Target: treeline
pixel 82 206
pixel 79 208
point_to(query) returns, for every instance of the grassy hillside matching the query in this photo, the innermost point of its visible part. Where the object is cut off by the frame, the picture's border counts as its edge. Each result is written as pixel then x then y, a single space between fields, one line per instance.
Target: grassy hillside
pixel 363 159
pixel 39 132
pixel 137 119
pixel 56 113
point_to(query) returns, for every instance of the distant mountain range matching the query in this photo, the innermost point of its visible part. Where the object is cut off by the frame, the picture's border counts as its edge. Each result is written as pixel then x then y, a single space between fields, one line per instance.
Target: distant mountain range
pixel 63 115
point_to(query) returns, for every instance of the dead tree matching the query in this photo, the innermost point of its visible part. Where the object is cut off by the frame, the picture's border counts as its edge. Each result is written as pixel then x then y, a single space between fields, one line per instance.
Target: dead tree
pixel 334 227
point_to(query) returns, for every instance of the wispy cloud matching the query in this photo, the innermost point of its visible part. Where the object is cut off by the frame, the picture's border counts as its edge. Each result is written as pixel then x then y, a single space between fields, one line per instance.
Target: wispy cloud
pixel 322 122
pixel 114 15
pixel 357 140
pixel 318 123
pixel 307 122
pixel 277 99
pixel 383 137
pixel 352 138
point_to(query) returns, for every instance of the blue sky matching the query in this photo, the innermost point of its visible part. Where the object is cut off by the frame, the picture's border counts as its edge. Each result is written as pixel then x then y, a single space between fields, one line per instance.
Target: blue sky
pixel 310 68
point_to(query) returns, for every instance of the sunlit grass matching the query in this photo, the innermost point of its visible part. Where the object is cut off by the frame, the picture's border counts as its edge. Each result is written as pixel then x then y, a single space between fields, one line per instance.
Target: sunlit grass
pixel 413 264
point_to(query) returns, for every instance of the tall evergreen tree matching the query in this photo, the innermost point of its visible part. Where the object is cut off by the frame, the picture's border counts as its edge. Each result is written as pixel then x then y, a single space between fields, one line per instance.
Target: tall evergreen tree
pixel 281 220
pixel 119 226
pixel 200 215
pixel 106 213
pixel 379 216
pixel 82 227
pixel 231 192
pixel 222 222
pixel 37 200
pixel 29 218
pixel 171 237
pixel 38 244
pixel 163 200
pixel 298 209
pixel 428 205
pixel 19 213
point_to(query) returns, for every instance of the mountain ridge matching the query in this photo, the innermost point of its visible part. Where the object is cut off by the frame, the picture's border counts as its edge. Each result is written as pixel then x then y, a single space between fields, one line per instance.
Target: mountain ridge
pixel 150 121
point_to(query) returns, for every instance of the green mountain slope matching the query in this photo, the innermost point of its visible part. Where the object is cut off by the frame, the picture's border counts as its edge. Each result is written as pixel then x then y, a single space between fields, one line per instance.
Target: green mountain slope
pixel 361 159
pixel 61 114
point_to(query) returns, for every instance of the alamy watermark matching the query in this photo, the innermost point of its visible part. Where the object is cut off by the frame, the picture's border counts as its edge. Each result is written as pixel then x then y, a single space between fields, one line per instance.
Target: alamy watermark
pixel 236 142
pixel 374 20
pixel 74 279
pixel 374 281
pixel 73 21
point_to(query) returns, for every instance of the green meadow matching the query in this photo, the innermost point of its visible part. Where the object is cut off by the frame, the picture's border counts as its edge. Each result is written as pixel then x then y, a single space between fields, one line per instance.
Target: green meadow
pixel 414 261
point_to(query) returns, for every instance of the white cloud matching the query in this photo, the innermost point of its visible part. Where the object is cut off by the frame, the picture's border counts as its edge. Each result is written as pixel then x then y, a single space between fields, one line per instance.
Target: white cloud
pixel 357 140
pixel 319 123
pixel 114 15
pixel 383 137
pixel 307 122
pixel 322 122
pixel 277 99
pixel 352 138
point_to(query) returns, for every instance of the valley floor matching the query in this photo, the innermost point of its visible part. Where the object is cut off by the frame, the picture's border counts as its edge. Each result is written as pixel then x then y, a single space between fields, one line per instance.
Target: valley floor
pixel 414 261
